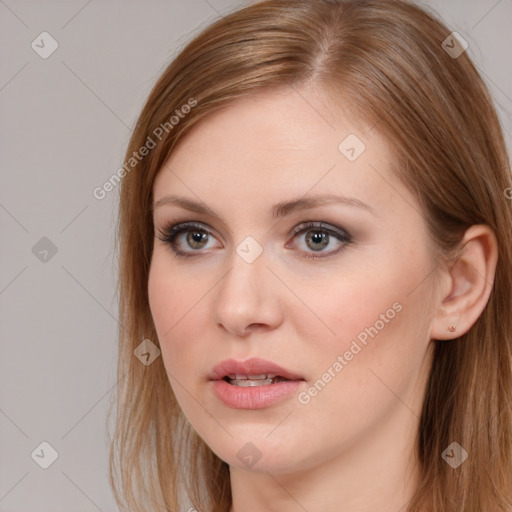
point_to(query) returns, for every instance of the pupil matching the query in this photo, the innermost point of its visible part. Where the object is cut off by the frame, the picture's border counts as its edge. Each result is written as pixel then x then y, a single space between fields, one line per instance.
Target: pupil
pixel 195 238
pixel 318 237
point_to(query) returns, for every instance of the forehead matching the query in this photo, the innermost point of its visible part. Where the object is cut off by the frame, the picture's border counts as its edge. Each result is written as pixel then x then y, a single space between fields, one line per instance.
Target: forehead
pixel 283 121
pixel 276 143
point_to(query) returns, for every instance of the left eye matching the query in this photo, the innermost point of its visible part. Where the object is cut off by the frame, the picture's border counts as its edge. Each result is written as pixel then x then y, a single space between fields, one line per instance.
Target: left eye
pixel 318 237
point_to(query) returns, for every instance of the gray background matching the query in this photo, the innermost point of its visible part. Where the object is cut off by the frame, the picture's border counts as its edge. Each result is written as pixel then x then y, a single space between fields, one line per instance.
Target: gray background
pixel 65 123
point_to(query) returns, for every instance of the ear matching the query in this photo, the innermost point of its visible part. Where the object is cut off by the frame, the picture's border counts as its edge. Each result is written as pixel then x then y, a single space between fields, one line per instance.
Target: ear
pixel 469 281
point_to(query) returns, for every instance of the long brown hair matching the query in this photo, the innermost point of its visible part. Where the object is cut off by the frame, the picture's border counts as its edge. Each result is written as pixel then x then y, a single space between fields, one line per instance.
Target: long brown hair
pixel 386 58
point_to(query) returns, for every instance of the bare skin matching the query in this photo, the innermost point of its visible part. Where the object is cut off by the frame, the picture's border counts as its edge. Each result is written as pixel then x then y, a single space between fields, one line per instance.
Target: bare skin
pixel 349 446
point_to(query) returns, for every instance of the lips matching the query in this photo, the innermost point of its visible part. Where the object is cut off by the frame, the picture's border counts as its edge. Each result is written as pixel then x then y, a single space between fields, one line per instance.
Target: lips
pixel 253 384
pixel 251 369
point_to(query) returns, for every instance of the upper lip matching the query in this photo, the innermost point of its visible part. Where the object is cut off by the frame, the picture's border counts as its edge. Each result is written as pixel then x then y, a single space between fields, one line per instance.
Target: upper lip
pixel 253 366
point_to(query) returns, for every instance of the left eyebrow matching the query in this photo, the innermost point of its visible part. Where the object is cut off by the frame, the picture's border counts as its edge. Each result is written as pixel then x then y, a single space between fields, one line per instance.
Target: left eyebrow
pixel 286 207
pixel 281 209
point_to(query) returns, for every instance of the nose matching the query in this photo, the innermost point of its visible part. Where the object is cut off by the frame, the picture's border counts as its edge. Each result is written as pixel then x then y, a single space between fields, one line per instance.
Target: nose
pixel 247 299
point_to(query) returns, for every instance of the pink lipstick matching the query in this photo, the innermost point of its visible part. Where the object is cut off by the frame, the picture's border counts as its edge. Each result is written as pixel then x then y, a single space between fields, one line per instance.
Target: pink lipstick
pixel 253 384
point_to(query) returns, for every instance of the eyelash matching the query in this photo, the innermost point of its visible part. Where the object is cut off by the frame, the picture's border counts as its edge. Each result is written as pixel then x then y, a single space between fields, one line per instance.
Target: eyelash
pixel 170 232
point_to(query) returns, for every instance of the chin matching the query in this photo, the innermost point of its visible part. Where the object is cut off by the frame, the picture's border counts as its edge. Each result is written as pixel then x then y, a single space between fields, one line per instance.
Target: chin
pixel 255 453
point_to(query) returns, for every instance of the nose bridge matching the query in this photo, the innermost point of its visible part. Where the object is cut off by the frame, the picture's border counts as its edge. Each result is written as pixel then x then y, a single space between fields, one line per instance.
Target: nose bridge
pixel 244 296
pixel 244 281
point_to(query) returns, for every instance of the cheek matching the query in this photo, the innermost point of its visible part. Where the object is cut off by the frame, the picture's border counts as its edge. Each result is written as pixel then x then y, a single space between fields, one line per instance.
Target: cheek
pixel 174 292
pixel 174 302
pixel 380 318
pixel 375 312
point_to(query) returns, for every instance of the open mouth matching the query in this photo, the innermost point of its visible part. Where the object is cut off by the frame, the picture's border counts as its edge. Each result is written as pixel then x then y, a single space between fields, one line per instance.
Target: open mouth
pixel 244 381
pixel 253 384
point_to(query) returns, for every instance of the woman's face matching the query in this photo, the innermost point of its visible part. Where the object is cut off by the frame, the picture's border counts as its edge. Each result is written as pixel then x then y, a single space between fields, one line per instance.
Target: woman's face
pixel 343 308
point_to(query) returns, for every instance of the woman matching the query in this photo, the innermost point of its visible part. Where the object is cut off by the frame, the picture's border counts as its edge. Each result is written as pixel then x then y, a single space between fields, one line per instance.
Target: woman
pixel 314 236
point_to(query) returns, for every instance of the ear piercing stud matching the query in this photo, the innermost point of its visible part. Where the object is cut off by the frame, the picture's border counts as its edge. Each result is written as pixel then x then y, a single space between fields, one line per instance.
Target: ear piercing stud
pixel 451 328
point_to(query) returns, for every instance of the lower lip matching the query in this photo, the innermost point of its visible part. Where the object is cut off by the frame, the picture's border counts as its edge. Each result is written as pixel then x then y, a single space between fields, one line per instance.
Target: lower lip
pixel 254 397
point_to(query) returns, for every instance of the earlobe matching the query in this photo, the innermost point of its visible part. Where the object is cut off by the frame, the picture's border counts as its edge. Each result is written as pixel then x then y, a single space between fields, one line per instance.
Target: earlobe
pixel 471 277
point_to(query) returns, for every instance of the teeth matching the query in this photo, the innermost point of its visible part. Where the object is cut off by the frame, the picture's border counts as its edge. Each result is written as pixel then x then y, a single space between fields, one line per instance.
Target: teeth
pixel 261 376
pixel 258 377
pixel 245 383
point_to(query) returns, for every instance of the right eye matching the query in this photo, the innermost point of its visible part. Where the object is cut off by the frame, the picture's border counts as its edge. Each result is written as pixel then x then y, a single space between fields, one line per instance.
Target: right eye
pixel 185 238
